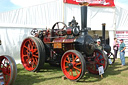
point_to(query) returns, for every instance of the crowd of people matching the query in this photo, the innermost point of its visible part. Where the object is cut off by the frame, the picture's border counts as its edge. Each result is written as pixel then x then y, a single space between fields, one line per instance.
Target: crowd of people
pixel 121 48
pixel 117 48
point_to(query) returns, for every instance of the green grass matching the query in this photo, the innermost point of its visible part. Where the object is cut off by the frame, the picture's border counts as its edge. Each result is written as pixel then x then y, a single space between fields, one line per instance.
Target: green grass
pixel 114 75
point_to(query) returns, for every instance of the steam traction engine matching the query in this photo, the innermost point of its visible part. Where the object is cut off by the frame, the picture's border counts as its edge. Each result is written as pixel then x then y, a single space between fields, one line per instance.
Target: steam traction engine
pixel 8 70
pixel 69 47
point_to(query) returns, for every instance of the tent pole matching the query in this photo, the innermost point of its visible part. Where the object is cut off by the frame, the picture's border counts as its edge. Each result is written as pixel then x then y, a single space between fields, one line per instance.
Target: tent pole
pixel 115 22
pixel 63 11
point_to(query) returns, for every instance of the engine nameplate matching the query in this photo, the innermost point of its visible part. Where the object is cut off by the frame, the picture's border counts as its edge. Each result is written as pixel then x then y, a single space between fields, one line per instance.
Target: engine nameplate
pixel 57 45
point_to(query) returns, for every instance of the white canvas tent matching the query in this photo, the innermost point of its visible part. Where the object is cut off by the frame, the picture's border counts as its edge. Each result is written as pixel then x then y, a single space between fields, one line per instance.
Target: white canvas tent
pixel 16 25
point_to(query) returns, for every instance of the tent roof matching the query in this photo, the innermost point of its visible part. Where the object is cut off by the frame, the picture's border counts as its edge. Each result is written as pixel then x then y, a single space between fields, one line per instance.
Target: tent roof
pixel 46 14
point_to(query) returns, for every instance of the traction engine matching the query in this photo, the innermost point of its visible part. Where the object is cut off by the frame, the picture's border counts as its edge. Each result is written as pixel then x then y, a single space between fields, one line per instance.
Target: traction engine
pixel 8 70
pixel 68 46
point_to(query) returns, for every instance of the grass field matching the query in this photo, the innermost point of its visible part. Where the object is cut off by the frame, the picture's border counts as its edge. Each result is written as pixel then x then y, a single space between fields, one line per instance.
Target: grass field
pixel 114 75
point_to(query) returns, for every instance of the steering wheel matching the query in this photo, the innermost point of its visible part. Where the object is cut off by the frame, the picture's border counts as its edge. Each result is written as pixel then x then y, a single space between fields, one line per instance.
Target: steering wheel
pixel 58 27
pixel 34 32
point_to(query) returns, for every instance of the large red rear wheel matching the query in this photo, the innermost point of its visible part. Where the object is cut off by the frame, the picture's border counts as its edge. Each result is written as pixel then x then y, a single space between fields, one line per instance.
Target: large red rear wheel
pixel 73 65
pixel 8 69
pixel 32 54
pixel 99 59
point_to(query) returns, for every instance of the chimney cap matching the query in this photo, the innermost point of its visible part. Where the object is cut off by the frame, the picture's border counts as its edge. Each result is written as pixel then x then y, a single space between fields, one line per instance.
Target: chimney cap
pixel 84 3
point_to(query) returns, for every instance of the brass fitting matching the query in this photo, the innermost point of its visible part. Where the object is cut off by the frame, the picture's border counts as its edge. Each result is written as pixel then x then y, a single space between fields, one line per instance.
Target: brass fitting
pixel 84 3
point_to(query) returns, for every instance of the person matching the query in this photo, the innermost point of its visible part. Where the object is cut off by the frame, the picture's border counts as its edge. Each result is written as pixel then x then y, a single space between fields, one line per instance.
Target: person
pixel 115 47
pixel 98 44
pixel 122 52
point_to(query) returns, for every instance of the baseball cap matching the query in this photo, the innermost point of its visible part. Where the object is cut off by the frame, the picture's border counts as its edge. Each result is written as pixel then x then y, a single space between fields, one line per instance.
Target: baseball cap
pixel 121 39
pixel 98 40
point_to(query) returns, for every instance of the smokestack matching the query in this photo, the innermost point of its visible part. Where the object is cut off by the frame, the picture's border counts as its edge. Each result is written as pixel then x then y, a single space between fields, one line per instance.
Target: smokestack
pixel 83 17
pixel 103 34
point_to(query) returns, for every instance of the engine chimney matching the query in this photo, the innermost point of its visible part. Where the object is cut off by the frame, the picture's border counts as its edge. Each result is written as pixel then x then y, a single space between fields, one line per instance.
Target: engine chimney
pixel 103 34
pixel 84 17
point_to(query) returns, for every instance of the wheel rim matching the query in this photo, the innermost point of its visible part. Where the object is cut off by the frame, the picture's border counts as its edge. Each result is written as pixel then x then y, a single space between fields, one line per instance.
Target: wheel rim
pixel 6 69
pixel 98 61
pixel 71 66
pixel 29 54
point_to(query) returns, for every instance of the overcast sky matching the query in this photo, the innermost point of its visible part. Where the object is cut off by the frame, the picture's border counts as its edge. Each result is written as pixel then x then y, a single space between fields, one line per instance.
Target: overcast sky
pixel 8 5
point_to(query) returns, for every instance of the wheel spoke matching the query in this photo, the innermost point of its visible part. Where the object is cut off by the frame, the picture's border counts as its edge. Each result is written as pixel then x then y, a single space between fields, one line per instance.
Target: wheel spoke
pixel 27 62
pixel 76 72
pixel 66 66
pixel 63 27
pixel 25 55
pixel 68 59
pixel 70 71
pixel 78 63
pixel 100 59
pixel 34 50
pixel 8 74
pixel 34 45
pixel 32 64
pixel 58 25
pixel 73 57
pixel 100 63
pixel 36 56
pixel 36 60
pixel 77 68
pixel 26 47
pixel 97 56
pixel 30 44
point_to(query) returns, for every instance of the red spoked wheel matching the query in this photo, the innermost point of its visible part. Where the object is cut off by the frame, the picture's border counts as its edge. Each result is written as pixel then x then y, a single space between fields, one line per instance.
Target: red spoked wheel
pixel 99 59
pixel 32 54
pixel 73 65
pixel 9 69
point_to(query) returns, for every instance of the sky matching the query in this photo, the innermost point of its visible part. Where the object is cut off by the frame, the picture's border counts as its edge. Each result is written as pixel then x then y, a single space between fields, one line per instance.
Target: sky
pixel 122 3
pixel 8 5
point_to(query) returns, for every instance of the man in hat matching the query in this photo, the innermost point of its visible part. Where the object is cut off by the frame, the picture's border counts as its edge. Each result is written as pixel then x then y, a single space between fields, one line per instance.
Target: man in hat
pixel 122 52
pixel 98 44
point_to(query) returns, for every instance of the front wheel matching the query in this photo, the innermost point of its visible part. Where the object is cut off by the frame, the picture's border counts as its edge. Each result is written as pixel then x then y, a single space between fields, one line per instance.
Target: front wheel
pixel 73 65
